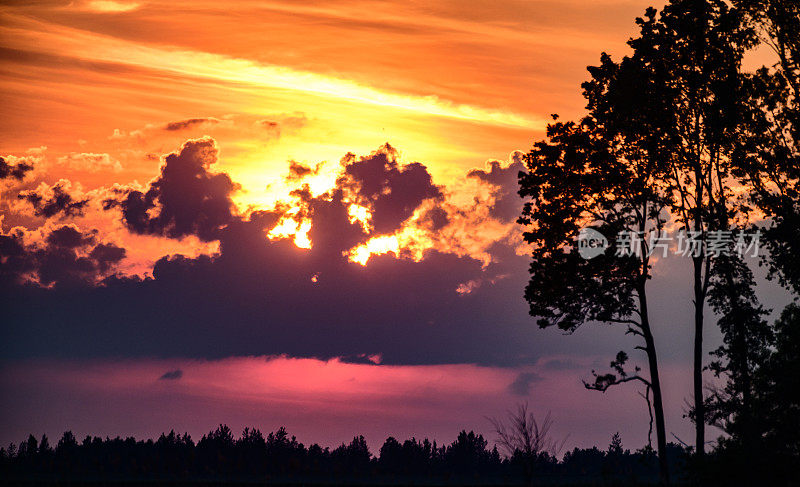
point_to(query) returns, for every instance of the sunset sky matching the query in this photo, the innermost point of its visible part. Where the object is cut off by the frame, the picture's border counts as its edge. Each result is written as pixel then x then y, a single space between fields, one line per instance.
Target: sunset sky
pixel 299 214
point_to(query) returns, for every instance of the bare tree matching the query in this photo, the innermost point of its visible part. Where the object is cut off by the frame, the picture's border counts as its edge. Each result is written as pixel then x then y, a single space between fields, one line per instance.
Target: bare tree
pixel 523 436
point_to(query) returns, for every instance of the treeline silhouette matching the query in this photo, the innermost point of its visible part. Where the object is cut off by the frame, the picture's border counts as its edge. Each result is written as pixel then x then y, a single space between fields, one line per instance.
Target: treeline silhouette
pixel 279 457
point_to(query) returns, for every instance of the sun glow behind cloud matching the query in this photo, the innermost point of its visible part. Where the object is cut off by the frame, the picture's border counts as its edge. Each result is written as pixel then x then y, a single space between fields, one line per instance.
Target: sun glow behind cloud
pixel 409 242
pixel 360 214
pixel 375 246
pixel 288 227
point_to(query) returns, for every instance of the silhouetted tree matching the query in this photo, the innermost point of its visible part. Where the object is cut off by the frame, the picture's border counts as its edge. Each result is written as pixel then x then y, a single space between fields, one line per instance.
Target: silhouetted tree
pixel 523 437
pixel 746 338
pixel 391 455
pixel 615 447
pixel 601 172
pixel 615 457
pixel 762 444
pixel 770 138
pixel 285 453
pixel 660 143
pixel 354 457
pixel 215 450
pixel 467 454
pixel 692 55
pixel 778 397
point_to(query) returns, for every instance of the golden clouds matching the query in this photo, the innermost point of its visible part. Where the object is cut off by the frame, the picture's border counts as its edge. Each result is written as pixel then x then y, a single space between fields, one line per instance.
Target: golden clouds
pixel 110 6
pixel 465 218
pixel 111 85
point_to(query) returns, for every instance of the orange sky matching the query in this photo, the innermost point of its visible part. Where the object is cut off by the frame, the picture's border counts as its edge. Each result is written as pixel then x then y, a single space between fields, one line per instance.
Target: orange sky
pixel 88 88
pixel 449 84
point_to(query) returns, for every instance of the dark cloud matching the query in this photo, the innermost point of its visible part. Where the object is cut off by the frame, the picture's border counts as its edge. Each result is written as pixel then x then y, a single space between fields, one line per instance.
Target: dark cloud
pixel 508 205
pixel 186 199
pixel 298 170
pixel 332 232
pixel 190 122
pixel 522 384
pixel 268 297
pixel 435 219
pixel 52 201
pixel 13 256
pixel 172 375
pixel 69 237
pixel 361 358
pixel 261 296
pixel 16 171
pixel 392 191
pixel 106 256
pixel 66 257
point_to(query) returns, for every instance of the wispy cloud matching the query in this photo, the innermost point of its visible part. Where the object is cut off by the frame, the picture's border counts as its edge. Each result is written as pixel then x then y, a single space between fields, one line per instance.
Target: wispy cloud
pixel 110 6
pixel 87 46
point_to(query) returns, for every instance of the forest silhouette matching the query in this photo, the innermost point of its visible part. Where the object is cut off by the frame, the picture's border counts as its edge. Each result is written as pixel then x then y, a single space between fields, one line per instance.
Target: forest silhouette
pixel 279 458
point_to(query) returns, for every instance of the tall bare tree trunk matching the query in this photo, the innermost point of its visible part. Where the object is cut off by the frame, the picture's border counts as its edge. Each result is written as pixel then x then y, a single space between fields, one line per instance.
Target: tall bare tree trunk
pixel 655 385
pixel 701 16
pixel 699 406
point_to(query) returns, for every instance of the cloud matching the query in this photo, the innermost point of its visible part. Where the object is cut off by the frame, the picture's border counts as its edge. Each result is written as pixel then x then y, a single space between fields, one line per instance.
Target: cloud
pixel 172 375
pixel 361 358
pixel 61 256
pixel 110 6
pixel 106 256
pixel 258 297
pixel 298 171
pixel 391 192
pixel 275 298
pixel 50 201
pixel 507 204
pixel 87 161
pixel 260 293
pixel 69 237
pixel 122 135
pixel 522 384
pixel 185 199
pixel 275 125
pixel 464 219
pixel 16 171
pixel 224 126
pixel 190 122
